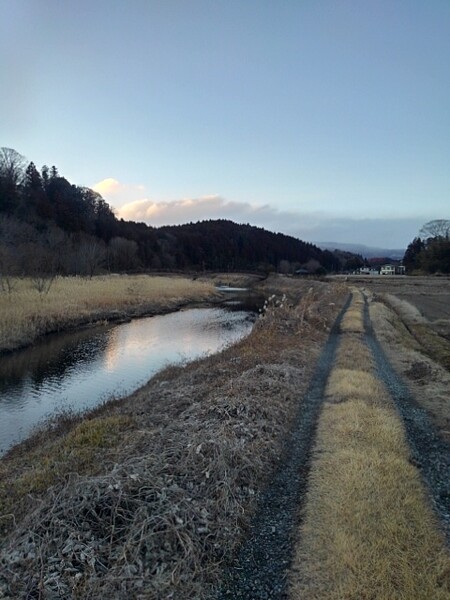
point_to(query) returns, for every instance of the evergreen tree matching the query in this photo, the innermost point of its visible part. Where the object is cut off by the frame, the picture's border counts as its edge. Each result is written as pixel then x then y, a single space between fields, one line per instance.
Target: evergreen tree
pixel 411 260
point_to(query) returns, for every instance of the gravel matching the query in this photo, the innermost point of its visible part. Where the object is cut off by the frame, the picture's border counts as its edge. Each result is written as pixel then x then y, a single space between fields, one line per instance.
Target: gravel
pixel 429 452
pixel 259 571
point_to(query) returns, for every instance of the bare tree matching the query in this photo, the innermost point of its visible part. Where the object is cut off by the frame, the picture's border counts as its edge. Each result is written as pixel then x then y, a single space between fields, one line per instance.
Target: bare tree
pixel 12 165
pixel 312 265
pixel 91 255
pixel 8 270
pixel 284 266
pixel 9 254
pixel 436 228
pixel 11 175
pixel 123 254
pixel 41 266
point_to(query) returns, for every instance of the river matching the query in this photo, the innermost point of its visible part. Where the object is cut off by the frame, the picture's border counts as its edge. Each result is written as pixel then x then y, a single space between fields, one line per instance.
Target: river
pixel 77 371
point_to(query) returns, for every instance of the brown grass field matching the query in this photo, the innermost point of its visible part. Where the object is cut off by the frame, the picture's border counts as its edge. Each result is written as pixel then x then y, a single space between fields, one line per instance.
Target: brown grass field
pixel 26 314
pixel 429 297
pixel 411 317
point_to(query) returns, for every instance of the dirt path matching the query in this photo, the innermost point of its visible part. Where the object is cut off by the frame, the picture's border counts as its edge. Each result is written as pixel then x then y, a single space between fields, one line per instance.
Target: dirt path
pixel 260 570
pixel 428 451
pixel 150 497
pixel 264 565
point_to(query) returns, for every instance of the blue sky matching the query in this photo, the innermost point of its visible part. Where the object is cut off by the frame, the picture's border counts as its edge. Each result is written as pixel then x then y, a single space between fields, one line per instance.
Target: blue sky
pixel 329 120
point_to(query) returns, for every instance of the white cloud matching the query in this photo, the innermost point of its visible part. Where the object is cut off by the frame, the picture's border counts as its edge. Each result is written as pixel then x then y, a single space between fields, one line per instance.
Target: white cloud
pixel 191 209
pixel 116 192
pixel 314 227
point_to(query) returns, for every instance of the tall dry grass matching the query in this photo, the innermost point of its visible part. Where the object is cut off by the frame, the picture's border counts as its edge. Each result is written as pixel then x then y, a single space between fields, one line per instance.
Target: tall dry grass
pixel 25 314
pixel 368 531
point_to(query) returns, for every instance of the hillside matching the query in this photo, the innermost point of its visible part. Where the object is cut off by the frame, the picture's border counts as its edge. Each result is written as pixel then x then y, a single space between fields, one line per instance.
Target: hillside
pixel 49 225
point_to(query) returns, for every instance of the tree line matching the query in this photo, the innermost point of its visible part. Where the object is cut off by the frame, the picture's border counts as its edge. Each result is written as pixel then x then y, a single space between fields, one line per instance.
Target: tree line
pixel 51 226
pixel 429 253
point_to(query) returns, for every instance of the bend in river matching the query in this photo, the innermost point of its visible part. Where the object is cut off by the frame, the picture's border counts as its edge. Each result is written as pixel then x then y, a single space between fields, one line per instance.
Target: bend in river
pixel 77 371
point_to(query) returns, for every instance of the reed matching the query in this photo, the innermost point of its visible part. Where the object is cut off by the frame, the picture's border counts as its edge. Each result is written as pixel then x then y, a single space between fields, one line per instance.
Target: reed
pixel 27 313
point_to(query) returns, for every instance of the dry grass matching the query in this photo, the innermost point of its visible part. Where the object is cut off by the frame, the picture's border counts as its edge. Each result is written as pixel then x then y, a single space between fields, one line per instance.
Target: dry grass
pixel 435 345
pixel 428 380
pixel 353 321
pixel 368 531
pixel 347 384
pixel 26 314
pixel 407 310
pixel 313 301
pixel 241 280
pixel 348 358
pixel 164 510
pixel 87 445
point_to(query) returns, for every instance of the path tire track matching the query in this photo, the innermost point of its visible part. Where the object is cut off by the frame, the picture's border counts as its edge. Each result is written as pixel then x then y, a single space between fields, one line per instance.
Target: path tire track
pixel 259 572
pixel 429 452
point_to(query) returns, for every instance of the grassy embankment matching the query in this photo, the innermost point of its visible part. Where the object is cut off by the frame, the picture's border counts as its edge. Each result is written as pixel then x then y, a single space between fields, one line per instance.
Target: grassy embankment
pixel 426 377
pixel 368 530
pixel 151 496
pixel 435 345
pixel 26 314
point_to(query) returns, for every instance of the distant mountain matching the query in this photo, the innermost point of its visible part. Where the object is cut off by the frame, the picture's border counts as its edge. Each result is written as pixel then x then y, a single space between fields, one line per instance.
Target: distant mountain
pixel 364 251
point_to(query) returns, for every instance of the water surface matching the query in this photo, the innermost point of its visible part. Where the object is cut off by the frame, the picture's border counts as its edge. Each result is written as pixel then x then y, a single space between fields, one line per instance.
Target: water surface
pixel 79 370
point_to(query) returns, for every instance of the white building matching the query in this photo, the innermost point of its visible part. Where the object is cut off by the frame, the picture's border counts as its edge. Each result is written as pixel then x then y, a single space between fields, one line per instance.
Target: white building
pixel 392 270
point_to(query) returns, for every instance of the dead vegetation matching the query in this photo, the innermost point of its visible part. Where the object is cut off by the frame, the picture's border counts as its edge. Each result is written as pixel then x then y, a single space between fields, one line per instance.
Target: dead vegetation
pixel 422 307
pixel 240 280
pixel 368 530
pixel 427 379
pixel 26 314
pixel 156 509
pixel 436 346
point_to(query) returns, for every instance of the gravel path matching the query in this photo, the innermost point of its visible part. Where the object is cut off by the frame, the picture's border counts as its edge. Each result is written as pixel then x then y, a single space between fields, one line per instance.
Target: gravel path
pixel 429 452
pixel 260 569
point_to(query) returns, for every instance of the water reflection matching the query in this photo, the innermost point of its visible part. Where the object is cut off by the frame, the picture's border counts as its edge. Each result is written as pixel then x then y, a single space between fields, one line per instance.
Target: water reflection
pixel 81 369
pixel 55 355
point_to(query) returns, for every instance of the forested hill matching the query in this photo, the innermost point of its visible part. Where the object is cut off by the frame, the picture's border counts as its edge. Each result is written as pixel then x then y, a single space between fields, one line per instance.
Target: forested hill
pixel 49 225
pixel 226 245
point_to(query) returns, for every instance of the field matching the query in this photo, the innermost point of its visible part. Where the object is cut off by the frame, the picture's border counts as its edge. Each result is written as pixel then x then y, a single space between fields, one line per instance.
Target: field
pixel 412 319
pixel 27 313
pixel 310 460
pixel 429 295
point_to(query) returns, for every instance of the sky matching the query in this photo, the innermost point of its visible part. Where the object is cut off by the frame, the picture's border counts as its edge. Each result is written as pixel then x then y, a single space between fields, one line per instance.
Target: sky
pixel 328 120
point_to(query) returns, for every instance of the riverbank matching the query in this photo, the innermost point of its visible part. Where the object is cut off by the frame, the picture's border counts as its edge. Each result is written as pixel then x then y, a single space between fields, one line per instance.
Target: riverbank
pixel 207 481
pixel 72 302
pixel 150 496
